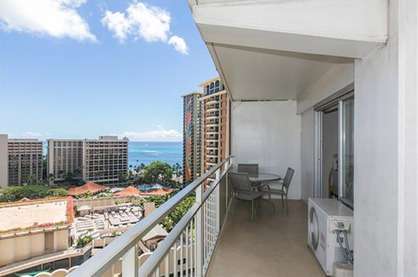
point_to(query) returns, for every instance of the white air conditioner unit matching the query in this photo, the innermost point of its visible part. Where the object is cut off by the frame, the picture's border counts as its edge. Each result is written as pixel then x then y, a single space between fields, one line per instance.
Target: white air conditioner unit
pixel 324 217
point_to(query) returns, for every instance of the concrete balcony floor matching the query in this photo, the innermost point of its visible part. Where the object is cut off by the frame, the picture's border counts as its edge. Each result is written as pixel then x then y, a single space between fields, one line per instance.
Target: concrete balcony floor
pixel 271 245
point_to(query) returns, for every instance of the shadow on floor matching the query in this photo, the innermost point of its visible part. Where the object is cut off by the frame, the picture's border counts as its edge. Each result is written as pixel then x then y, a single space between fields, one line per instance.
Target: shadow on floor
pixel 274 244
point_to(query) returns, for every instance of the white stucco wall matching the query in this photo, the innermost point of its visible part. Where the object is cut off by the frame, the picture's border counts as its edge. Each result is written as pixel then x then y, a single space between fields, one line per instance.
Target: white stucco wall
pixel 337 78
pixel 307 154
pixel 268 133
pixel 386 124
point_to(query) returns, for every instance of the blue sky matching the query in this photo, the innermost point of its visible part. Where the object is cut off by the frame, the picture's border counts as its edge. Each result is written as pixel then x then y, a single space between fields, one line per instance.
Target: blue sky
pixel 83 68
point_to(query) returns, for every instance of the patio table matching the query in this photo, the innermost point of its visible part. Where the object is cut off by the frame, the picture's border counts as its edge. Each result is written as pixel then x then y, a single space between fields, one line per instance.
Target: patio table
pixel 263 178
pixel 259 181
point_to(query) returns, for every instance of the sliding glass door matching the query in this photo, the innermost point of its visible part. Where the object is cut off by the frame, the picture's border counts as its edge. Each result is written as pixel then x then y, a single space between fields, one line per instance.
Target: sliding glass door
pixel 334 148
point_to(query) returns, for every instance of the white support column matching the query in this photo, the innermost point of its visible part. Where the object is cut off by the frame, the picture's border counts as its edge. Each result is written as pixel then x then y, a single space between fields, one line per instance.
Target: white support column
pixel 130 263
pixel 386 151
pixel 199 233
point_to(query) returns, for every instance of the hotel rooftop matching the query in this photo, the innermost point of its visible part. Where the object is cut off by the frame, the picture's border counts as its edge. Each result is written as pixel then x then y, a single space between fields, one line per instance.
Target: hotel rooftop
pixel 32 214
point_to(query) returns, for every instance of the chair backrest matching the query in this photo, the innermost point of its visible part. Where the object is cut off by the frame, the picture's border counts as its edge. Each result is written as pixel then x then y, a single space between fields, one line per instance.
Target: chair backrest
pixel 288 178
pixel 240 181
pixel 251 169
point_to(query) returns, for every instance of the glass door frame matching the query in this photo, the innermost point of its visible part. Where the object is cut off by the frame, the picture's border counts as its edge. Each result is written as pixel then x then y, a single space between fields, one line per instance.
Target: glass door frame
pixel 336 99
pixel 342 141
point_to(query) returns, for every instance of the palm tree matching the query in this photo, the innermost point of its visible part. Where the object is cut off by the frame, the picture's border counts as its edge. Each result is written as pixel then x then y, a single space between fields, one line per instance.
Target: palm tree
pixel 51 179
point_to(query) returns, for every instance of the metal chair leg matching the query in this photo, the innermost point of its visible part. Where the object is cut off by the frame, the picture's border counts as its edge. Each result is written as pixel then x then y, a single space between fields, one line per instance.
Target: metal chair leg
pixel 287 206
pixel 252 209
pixel 282 202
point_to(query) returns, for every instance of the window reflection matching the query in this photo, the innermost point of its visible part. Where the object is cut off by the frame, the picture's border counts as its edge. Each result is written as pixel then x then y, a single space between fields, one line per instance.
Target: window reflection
pixel 348 151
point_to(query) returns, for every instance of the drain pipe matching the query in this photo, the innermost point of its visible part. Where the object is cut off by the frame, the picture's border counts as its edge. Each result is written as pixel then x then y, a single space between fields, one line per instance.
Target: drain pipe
pixel 348 253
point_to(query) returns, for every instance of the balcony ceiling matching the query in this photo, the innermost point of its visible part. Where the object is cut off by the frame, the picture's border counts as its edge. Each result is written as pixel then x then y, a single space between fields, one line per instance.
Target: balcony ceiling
pixel 254 74
pixel 273 50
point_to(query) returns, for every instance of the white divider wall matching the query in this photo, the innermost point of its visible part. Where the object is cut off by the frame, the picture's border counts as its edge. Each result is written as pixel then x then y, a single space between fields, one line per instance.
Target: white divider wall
pixel 268 133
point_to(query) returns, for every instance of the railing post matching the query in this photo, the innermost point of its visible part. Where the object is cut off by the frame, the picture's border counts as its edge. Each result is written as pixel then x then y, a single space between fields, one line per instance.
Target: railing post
pixel 130 262
pixel 199 232
pixel 217 200
pixel 226 166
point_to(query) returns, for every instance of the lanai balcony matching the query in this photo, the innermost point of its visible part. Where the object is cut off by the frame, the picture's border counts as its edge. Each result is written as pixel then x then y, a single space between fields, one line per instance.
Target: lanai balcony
pixel 216 237
pixel 280 61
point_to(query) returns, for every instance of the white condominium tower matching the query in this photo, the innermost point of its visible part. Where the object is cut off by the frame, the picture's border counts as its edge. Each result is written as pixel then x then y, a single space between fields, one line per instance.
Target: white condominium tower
pixel 25 161
pixel 103 160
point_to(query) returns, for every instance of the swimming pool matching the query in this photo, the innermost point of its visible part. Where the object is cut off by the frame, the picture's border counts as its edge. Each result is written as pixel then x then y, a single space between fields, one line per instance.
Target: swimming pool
pixel 149 187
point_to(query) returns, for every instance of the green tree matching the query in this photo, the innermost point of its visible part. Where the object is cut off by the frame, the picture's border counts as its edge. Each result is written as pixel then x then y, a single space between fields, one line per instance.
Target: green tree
pixel 44 168
pixel 123 177
pixel 77 174
pixel 69 177
pixel 141 167
pixel 51 179
pixel 57 192
pixel 83 241
pixel 157 172
pixel 15 193
pixel 179 211
pixel 177 169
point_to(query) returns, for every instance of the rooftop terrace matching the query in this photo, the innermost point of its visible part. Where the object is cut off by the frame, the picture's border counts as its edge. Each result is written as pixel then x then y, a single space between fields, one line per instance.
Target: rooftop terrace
pixel 34 213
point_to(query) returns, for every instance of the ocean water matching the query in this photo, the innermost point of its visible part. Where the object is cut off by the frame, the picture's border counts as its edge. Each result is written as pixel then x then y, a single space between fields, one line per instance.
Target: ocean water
pixel 146 152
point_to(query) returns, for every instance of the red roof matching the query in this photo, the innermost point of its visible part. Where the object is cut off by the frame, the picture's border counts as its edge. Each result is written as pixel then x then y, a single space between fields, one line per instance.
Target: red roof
pixel 157 192
pixel 129 191
pixel 88 187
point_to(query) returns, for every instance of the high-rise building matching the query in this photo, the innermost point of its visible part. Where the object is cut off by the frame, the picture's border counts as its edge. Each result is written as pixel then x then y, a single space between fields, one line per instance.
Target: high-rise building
pixel 65 157
pixel 215 123
pixel 192 139
pixel 4 161
pixel 25 161
pixel 103 160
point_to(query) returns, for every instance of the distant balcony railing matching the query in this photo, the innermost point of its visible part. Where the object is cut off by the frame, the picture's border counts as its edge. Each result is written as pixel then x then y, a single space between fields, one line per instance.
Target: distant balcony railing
pixel 188 248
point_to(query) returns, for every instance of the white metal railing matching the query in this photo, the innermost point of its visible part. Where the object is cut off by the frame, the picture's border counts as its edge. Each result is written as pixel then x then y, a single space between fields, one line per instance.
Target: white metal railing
pixel 187 249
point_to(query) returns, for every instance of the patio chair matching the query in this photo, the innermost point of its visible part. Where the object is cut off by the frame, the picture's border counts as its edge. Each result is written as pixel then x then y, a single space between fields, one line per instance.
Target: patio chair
pixel 243 190
pixel 251 169
pixel 284 190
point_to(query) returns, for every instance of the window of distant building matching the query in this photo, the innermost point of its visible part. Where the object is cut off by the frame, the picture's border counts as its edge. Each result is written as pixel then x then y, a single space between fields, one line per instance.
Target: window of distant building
pixel 217 86
pixel 212 88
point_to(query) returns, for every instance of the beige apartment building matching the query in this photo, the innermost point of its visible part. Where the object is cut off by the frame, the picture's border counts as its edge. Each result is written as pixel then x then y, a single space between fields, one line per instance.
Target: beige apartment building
pixel 103 160
pixel 4 161
pixel 24 161
pixel 65 156
pixel 215 123
pixel 192 136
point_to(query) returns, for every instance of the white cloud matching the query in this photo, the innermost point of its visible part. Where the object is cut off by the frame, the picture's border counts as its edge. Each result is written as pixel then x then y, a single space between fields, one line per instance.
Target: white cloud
pixel 117 23
pixel 56 18
pixel 154 135
pixel 149 22
pixel 142 21
pixel 179 44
